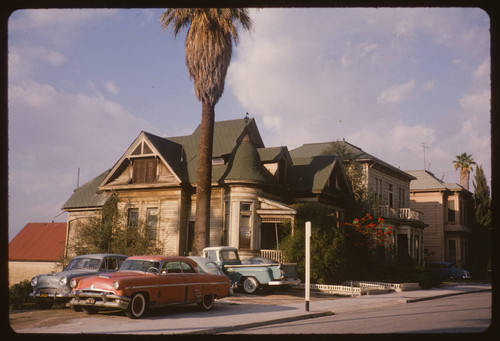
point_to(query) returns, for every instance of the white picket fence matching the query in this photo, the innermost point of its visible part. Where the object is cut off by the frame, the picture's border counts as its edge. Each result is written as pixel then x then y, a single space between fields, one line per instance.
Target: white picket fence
pixel 361 287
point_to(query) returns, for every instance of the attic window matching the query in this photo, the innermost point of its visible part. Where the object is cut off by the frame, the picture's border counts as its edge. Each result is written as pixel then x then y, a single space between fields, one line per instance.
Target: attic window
pixel 142 148
pixel 144 170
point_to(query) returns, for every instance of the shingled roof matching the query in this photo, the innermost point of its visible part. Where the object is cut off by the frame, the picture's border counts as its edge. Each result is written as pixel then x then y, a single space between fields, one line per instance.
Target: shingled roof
pixel 425 180
pixel 87 195
pixel 356 153
pixel 39 242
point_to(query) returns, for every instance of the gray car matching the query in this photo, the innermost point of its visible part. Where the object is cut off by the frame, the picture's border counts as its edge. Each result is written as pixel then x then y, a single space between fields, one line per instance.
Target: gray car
pixel 49 288
pixel 207 265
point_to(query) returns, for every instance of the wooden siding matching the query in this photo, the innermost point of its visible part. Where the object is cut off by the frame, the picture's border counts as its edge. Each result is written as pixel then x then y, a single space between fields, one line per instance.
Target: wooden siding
pixel 432 205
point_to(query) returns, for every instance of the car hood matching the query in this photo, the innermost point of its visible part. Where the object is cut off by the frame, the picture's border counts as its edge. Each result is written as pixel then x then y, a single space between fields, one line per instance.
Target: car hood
pixel 52 279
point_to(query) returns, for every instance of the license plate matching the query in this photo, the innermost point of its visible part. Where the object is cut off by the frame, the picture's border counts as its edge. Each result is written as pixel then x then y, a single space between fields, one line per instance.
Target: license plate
pixel 90 300
pixel 44 295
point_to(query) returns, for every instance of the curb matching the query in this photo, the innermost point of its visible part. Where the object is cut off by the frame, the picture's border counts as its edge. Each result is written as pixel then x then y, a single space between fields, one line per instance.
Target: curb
pixel 413 300
pixel 218 330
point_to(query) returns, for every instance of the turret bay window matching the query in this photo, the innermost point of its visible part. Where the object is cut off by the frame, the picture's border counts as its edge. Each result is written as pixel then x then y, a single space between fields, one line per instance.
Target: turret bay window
pixel 245 225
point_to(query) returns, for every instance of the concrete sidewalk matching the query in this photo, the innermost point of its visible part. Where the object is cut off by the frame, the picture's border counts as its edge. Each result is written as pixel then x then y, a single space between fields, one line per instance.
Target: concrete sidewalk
pixel 228 316
pixel 329 307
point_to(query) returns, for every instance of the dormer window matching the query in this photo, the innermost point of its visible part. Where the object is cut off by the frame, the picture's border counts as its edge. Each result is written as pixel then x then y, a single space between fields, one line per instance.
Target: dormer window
pixel 144 170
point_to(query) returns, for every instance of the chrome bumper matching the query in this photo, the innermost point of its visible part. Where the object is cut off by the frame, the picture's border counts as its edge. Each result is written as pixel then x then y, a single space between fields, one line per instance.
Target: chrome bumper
pixel 99 300
pixel 48 295
pixel 285 282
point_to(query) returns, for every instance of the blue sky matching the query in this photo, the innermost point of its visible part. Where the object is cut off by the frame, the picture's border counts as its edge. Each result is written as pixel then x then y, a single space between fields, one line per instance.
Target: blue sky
pixel 84 83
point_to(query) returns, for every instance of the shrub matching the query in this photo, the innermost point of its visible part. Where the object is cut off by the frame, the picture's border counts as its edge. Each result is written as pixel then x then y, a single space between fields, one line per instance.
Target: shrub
pixel 19 294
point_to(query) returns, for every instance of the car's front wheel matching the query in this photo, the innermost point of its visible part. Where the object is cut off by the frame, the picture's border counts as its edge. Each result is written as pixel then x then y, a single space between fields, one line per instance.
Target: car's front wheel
pixel 137 306
pixel 207 302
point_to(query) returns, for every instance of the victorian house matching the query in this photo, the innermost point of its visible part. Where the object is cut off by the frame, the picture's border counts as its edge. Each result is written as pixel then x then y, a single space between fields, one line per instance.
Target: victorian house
pixel 391 188
pixel 254 188
pixel 448 209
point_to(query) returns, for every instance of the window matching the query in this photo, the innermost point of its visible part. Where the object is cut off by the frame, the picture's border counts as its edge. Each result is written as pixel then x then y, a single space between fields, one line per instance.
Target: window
pixel 144 170
pixel 451 210
pixel 245 225
pixel 452 251
pixel 109 264
pixel 133 217
pixel 377 188
pixel 151 223
pixel 402 198
pixel 391 196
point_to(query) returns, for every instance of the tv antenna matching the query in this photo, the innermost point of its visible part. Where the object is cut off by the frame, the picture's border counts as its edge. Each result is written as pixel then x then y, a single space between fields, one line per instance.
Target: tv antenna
pixel 424 147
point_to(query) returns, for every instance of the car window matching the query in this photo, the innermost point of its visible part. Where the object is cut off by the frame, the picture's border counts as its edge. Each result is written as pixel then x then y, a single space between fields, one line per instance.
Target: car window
pixel 84 263
pixel 186 268
pixel 140 265
pixel 228 255
pixel 172 267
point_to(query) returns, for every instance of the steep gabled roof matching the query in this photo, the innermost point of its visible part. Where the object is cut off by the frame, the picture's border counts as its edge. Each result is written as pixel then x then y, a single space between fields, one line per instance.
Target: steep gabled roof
pixel 311 174
pixel 87 195
pixel 170 153
pixel 39 242
pixel 274 154
pixel 425 180
pixel 356 153
pixel 245 165
pixel 227 134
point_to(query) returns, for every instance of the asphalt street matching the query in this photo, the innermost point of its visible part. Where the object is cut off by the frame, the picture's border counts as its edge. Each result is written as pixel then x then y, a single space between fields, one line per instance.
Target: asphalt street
pixel 235 313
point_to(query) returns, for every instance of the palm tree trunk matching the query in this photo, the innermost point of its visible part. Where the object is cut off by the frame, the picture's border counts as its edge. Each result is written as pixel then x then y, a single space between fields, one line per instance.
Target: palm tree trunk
pixel 204 179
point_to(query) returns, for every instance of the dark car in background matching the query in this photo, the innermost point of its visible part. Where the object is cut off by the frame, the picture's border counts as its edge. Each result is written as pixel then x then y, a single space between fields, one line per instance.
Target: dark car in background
pixel 55 287
pixel 446 270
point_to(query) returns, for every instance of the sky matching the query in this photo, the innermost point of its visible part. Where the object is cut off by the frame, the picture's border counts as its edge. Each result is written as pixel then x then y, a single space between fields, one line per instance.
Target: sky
pixel 83 84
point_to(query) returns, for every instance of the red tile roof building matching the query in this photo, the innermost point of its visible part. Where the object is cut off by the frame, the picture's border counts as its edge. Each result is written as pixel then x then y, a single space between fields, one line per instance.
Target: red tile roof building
pixel 39 242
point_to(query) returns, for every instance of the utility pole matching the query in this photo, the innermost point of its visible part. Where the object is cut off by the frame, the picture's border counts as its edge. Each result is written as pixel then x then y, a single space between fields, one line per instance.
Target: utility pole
pixel 308 264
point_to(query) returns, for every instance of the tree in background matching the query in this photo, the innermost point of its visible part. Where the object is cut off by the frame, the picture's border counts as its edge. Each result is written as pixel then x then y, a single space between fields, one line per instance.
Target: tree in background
pixel 364 199
pixel 464 162
pixel 109 233
pixel 208 48
pixel 482 228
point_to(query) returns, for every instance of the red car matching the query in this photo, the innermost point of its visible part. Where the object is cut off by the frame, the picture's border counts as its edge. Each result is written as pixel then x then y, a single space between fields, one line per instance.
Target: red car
pixel 144 282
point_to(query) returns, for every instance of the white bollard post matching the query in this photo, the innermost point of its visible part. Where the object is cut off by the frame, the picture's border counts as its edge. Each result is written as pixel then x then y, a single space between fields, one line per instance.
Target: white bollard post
pixel 308 263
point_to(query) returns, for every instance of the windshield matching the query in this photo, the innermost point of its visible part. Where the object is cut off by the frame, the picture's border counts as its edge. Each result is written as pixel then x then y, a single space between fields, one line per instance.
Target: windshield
pixel 140 265
pixel 84 263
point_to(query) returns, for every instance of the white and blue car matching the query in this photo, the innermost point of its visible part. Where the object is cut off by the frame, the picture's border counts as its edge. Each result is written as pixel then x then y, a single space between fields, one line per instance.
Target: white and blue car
pixel 55 287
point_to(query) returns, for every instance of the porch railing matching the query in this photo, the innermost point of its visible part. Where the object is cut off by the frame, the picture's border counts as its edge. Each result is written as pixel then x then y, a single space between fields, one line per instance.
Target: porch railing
pixel 273 254
pixel 401 213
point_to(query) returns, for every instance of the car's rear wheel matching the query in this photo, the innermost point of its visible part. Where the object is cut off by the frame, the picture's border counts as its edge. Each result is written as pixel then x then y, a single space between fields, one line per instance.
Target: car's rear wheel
pixel 207 302
pixel 137 306
pixel 250 285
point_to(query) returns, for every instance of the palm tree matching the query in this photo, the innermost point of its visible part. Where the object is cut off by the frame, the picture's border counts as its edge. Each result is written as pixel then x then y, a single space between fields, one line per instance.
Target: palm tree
pixel 464 162
pixel 208 48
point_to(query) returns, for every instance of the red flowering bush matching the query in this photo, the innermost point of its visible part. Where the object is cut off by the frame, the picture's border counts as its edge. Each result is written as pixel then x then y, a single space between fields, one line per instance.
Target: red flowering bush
pixel 373 229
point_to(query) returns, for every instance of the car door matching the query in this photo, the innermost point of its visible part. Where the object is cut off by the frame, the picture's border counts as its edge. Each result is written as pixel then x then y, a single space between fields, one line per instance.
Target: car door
pixel 194 290
pixel 173 283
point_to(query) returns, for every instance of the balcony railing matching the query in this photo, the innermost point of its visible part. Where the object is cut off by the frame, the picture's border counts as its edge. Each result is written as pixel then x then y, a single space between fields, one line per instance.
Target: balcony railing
pixel 401 213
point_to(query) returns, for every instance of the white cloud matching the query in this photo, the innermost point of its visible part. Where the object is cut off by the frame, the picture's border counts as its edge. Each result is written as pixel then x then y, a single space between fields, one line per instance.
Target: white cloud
pixel 112 88
pixel 397 93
